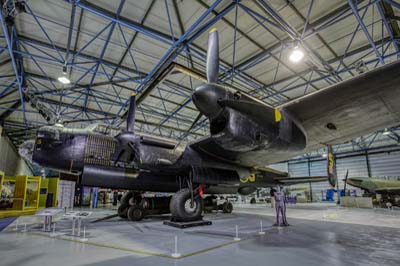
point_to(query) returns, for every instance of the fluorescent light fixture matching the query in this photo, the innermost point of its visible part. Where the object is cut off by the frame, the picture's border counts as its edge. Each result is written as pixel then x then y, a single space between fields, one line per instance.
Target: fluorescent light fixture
pixel 386 132
pixel 64 80
pixel 296 55
pixel 324 155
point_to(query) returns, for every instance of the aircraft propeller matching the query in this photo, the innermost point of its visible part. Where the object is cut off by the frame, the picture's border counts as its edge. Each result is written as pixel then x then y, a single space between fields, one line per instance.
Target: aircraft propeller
pixel 126 138
pixel 212 99
pixel 130 120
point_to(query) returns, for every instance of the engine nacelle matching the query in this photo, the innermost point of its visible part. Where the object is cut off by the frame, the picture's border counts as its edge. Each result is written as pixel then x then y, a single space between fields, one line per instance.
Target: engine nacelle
pixel 246 190
pixel 242 123
pixel 212 176
pixel 99 176
pixel 240 132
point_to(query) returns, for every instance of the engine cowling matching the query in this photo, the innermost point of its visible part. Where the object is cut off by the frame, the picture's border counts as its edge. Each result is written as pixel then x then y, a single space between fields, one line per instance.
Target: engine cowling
pixel 241 123
pixel 247 190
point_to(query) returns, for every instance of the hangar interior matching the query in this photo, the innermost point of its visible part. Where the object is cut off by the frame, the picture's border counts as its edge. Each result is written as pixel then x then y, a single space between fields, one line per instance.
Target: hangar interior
pixel 76 64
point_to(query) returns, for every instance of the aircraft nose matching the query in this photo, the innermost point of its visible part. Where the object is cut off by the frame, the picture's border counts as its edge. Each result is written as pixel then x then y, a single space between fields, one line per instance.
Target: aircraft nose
pixel 206 99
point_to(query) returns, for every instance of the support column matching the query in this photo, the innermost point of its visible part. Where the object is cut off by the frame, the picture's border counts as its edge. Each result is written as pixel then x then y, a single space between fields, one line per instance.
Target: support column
pixel 368 165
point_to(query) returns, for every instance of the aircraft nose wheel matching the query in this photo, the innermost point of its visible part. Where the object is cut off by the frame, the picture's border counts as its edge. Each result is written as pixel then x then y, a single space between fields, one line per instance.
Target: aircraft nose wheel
pixel 182 208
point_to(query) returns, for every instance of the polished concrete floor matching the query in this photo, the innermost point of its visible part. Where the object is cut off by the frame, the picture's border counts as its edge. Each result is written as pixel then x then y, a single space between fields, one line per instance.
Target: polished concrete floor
pixel 322 238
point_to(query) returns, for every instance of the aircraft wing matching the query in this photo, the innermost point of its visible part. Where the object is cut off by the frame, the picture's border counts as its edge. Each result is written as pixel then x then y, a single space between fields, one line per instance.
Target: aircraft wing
pixel 273 176
pixel 299 180
pixel 334 115
pixel 388 190
pixel 353 108
pixel 210 147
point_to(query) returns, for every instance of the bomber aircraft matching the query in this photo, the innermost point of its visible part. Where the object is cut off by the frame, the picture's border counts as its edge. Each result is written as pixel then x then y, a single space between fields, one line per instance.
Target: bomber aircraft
pixel 246 134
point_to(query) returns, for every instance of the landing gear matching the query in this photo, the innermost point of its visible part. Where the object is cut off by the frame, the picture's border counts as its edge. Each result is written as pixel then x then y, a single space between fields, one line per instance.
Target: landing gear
pixel 215 203
pixel 123 208
pixel 227 207
pixel 186 205
pixel 135 213
pixel 128 199
pixel 135 207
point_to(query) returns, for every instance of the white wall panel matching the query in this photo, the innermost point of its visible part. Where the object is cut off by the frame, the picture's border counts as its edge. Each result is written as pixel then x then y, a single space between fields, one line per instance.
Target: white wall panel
pixel 385 164
pixel 10 161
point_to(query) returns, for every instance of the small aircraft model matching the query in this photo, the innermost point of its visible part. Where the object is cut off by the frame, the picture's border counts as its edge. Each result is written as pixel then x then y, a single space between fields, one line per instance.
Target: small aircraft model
pixel 246 134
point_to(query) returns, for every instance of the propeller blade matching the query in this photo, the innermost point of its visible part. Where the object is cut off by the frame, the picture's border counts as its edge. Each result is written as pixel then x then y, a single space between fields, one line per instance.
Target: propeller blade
pixel 213 56
pixel 194 122
pixel 130 121
pixel 119 156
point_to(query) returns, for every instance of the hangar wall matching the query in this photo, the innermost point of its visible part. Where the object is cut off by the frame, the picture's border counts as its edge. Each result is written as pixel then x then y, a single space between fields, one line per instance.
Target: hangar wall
pixel 10 161
pixel 377 164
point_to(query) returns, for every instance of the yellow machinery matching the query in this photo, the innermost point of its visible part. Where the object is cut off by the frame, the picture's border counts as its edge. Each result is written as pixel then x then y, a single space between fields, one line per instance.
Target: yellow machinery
pixel 48 192
pixel 28 194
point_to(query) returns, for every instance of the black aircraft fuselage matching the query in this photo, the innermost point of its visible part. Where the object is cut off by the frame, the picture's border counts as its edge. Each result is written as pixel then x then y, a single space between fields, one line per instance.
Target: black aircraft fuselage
pixel 240 127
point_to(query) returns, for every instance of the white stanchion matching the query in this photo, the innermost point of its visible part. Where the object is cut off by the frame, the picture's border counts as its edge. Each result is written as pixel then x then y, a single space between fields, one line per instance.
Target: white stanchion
pixel 53 234
pixel 79 226
pixel 24 230
pixel 16 225
pixel 176 254
pixel 73 226
pixel 261 229
pixel 236 238
pixel 84 239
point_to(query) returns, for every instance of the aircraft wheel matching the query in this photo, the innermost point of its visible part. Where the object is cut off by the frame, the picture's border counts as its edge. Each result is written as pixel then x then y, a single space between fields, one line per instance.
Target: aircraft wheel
pixel 123 210
pixel 135 213
pixel 227 207
pixel 126 197
pixel 181 208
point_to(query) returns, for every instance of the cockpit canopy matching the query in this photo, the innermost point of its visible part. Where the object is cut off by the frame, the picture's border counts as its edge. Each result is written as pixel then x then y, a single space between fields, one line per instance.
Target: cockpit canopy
pixel 49 132
pixel 53 132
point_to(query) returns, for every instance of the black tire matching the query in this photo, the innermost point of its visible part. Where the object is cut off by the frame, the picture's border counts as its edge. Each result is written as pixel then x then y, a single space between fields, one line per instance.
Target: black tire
pixel 180 206
pixel 227 207
pixel 126 197
pixel 123 210
pixel 135 213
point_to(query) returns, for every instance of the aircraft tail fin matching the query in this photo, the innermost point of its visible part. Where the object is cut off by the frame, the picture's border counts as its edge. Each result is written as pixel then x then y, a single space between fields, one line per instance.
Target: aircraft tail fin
pixel 331 167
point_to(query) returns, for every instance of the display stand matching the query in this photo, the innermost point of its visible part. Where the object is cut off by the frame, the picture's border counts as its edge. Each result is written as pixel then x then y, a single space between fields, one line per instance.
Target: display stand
pixel 186 224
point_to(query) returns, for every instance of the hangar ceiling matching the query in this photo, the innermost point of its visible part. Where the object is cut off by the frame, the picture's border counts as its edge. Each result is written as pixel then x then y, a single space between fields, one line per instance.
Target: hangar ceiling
pixel 157 48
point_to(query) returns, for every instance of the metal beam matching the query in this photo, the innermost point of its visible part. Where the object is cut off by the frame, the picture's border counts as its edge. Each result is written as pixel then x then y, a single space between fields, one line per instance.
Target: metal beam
pixel 133 38
pixel 123 21
pixel 393 3
pixel 365 30
pixel 392 27
pixel 18 76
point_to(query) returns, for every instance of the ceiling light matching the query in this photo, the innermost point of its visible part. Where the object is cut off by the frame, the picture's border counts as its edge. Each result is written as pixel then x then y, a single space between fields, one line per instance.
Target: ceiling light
pixel 64 80
pixel 386 132
pixel 324 155
pixel 296 55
